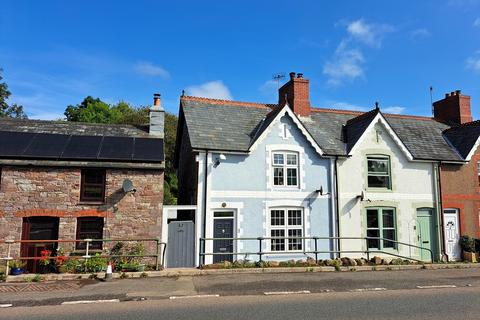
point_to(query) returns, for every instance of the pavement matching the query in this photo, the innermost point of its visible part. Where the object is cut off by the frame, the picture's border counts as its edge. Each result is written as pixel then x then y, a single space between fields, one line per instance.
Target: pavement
pixel 442 303
pixel 225 285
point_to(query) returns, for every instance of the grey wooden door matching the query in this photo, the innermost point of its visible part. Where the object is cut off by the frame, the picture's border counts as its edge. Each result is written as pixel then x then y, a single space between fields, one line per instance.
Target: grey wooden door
pixel 181 244
pixel 222 228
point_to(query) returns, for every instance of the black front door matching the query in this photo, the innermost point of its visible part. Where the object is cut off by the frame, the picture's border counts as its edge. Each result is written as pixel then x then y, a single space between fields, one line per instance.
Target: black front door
pixel 38 228
pixel 222 228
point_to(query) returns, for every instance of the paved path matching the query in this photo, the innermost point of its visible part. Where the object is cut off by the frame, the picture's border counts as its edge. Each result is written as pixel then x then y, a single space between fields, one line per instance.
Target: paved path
pixel 446 304
pixel 249 284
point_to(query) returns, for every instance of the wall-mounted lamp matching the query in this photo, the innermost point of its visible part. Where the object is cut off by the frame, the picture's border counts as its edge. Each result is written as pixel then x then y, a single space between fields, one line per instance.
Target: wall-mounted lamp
pixel 320 191
pixel 127 186
pixel 361 196
pixel 221 157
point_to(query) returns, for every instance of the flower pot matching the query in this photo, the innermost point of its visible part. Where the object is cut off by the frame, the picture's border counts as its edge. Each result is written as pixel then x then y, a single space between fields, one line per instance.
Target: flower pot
pixel 141 268
pixel 16 271
pixel 470 256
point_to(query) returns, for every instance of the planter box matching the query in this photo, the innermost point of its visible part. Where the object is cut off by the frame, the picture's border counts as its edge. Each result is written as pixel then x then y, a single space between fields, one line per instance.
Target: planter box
pixel 470 256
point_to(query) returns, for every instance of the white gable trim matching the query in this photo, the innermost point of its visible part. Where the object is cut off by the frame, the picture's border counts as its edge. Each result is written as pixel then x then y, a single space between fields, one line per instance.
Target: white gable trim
pixel 380 119
pixel 475 146
pixel 287 111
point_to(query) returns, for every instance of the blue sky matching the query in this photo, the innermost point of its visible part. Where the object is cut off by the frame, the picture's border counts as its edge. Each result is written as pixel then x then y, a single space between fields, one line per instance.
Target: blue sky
pixel 54 53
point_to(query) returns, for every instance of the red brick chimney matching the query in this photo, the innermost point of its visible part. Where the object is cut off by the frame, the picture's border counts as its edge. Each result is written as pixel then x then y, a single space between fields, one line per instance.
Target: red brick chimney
pixel 453 109
pixel 296 91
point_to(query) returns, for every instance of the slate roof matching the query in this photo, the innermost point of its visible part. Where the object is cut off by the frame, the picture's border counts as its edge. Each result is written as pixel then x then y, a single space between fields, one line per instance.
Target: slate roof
pixel 355 127
pixel 70 141
pixel 75 128
pixel 464 137
pixel 233 126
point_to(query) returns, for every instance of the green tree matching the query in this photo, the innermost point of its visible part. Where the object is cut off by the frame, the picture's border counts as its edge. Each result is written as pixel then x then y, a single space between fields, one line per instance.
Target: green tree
pixel 96 111
pixel 6 110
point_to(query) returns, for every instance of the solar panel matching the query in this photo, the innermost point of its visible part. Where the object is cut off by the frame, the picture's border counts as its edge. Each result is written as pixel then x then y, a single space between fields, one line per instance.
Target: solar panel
pixel 149 149
pixel 46 145
pixel 13 144
pixel 82 147
pixel 116 148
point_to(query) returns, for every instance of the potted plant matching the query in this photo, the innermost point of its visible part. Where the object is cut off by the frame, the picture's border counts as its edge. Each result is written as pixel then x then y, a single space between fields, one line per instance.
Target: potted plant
pixel 16 267
pixel 467 244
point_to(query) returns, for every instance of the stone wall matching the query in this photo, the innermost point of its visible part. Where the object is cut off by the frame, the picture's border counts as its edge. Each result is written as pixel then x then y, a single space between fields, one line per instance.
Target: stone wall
pixel 55 192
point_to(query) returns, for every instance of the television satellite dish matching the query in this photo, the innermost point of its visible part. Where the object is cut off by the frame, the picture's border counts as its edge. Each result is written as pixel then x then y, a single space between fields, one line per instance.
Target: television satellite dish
pixel 127 186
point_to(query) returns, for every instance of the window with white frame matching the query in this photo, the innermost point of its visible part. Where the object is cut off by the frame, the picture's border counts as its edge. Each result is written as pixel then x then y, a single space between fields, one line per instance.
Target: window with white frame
pixel 286 225
pixel 378 168
pixel 381 224
pixel 285 169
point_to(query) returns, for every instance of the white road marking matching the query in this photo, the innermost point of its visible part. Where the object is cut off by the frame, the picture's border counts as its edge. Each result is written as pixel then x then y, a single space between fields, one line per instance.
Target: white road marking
pixel 89 301
pixel 7 305
pixel 273 293
pixel 368 289
pixel 437 287
pixel 196 296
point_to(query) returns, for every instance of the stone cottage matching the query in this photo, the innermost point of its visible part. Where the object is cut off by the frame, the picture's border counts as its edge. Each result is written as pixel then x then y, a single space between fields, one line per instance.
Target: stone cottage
pixel 65 180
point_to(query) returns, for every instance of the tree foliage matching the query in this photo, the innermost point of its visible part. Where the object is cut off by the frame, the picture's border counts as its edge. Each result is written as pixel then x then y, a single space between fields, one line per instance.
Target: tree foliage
pixel 96 111
pixel 6 110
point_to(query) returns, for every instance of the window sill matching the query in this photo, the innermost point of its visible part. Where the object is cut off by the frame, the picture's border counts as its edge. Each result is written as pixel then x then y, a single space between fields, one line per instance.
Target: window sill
pixel 379 190
pixel 91 203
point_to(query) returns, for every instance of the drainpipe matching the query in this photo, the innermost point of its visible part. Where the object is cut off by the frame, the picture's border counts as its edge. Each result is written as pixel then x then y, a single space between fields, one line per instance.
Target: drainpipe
pixel 205 202
pixel 337 209
pixel 441 232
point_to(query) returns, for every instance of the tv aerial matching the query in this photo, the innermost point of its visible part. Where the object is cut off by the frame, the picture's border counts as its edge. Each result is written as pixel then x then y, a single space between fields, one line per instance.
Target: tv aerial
pixel 277 77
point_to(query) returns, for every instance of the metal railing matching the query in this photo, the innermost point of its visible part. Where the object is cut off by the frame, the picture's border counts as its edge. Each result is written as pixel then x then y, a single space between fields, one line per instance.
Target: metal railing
pixel 260 253
pixel 159 255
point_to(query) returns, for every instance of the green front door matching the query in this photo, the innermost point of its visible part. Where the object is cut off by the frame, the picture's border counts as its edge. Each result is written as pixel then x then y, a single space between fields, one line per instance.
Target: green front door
pixel 425 233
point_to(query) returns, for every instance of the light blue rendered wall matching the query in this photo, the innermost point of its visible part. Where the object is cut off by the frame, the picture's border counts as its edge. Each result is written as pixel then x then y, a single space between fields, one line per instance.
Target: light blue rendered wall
pixel 241 173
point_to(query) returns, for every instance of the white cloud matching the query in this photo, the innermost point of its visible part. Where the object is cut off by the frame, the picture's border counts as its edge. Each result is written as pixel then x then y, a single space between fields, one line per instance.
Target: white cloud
pixel 346 65
pixel 473 63
pixel 368 33
pixel 213 89
pixel 420 33
pixel 394 110
pixel 345 106
pixel 149 69
pixel 476 23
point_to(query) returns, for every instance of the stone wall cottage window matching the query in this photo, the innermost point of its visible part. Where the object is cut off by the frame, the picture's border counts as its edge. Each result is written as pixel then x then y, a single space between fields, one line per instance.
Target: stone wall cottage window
pixel 285 169
pixel 92 188
pixel 89 228
pixel 286 223
pixel 381 224
pixel 379 175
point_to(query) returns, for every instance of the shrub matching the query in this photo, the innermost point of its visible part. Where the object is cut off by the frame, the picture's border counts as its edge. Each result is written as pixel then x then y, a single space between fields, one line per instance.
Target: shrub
pixel 37 278
pixel 467 243
pixel 95 264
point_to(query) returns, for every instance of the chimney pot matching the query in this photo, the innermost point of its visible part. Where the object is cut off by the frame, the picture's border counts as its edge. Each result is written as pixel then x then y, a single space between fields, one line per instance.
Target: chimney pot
pixel 292 75
pixel 447 95
pixel 452 93
pixel 156 99
pixel 457 92
pixel 299 75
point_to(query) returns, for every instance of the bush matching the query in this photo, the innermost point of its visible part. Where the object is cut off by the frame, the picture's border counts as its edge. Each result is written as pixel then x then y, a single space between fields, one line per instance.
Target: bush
pixel 95 264
pixel 467 243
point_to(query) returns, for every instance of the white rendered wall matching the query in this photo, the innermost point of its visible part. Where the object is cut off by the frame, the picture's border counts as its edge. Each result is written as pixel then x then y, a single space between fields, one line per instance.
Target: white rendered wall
pixel 412 188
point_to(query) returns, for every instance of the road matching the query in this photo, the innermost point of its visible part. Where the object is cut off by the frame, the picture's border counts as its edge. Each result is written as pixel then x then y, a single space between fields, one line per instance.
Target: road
pixel 446 304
